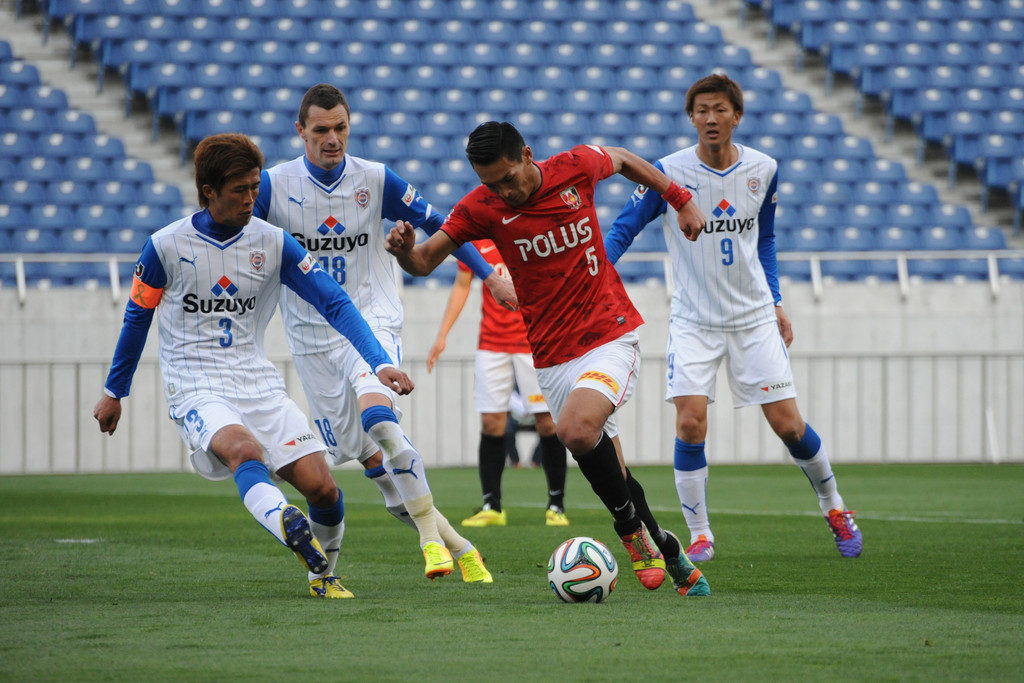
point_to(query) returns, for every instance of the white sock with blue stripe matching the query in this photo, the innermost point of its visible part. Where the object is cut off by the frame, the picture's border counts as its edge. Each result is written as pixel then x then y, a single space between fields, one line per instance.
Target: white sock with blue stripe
pixel 264 501
pixel 691 471
pixel 810 456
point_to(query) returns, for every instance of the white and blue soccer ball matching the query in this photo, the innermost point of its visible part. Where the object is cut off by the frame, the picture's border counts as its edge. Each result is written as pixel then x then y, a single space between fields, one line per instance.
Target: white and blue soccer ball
pixel 582 570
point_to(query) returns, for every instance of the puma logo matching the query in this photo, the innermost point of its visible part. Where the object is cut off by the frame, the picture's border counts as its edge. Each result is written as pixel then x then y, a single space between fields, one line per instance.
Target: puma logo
pixel 270 512
pixel 297 201
pixel 398 470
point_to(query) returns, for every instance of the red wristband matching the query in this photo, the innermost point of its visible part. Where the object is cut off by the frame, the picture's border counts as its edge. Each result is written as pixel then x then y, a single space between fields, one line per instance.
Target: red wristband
pixel 676 196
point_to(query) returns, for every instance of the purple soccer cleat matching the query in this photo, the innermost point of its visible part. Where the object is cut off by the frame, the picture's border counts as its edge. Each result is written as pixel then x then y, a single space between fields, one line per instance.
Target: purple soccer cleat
pixel 701 550
pixel 847 535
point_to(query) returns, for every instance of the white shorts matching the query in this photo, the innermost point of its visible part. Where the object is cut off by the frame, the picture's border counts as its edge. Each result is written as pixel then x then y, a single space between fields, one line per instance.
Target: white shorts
pixel 276 421
pixel 758 370
pixel 333 383
pixel 611 368
pixel 498 373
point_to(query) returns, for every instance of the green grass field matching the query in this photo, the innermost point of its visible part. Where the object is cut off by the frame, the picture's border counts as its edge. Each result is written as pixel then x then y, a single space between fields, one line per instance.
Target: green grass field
pixel 180 583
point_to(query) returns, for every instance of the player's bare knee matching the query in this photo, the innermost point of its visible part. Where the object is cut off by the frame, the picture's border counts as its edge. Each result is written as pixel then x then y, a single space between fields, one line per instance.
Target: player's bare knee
pixel 790 431
pixel 493 424
pixel 545 425
pixel 579 439
pixel 691 428
pixel 323 494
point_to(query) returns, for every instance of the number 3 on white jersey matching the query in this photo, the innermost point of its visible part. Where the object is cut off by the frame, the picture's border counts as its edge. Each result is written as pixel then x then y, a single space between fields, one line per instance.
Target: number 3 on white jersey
pixel 592 260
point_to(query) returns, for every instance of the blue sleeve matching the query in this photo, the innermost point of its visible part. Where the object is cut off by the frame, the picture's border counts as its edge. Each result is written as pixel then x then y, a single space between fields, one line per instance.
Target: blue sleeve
pixel 642 207
pixel 135 327
pixel 403 202
pixel 262 206
pixel 301 273
pixel 766 239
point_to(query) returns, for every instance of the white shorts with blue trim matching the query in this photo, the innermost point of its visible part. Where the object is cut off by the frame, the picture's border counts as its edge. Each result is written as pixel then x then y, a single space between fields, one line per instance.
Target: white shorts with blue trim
pixel 498 373
pixel 278 424
pixel 333 382
pixel 759 371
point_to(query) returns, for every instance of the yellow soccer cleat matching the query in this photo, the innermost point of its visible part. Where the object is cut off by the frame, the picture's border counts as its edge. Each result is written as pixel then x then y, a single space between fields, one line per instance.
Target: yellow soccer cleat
pixel 554 516
pixel 328 587
pixel 486 517
pixel 473 569
pixel 438 559
pixel 299 537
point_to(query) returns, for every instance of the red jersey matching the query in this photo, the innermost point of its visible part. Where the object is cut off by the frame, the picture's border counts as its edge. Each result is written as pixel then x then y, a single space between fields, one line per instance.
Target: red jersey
pixel 501 330
pixel 571 298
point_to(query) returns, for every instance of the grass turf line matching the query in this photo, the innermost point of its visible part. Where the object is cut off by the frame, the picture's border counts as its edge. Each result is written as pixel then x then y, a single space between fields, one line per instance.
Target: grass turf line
pixel 182 583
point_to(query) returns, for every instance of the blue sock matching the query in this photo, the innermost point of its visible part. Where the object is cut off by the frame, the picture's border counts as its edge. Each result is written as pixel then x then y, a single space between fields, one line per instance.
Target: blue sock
pixel 377 414
pixel 689 456
pixel 375 472
pixel 329 516
pixel 250 473
pixel 807 447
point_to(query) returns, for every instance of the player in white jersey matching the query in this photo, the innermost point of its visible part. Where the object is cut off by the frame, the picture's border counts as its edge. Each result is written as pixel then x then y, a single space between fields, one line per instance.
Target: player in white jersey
pixel 336 204
pixel 214 279
pixel 726 303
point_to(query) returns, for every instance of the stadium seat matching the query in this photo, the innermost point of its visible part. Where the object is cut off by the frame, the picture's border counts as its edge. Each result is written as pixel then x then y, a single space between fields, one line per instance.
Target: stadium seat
pixel 22 192
pixel 34 241
pixel 937 238
pixel 951 217
pixel 867 217
pixel 854 239
pixel 87 169
pixel 983 238
pixel 909 215
pixel 893 238
pixel 81 240
pixel 68 192
pixel 13 217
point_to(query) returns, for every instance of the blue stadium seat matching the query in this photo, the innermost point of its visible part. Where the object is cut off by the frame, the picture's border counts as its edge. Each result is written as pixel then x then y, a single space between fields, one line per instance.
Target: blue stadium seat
pixel 951 217
pixel 919 193
pixel 997 53
pixel 52 217
pixel 40 169
pixel 81 240
pixel 884 170
pixel 68 192
pixel 158 27
pixel 818 238
pixel 1012 267
pixel 868 217
pixel 609 54
pixel 98 217
pixel 640 271
pixel 965 131
pixel 1012 99
pixel 854 239
pixel 983 238
pixel 897 239
pixel 87 169
pixel 931 269
pixel 34 241
pixel 800 170
pixel 798 271
pixel 29 121
pixel 13 217
pixel 909 215
pixel 937 238
pixel 22 192
pixel 160 195
pixel 999 151
pixel 874 192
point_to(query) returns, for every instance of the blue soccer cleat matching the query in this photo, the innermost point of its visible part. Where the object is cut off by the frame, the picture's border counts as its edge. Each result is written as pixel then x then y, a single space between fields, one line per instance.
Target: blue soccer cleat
pixel 299 537
pixel 847 536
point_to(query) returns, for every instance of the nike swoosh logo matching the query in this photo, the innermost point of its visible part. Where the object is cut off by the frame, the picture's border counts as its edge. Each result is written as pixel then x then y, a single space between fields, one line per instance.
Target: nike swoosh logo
pixel 487 249
pixel 506 221
pixel 297 201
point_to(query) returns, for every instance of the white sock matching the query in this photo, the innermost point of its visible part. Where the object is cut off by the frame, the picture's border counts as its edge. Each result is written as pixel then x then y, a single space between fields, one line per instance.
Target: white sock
pixel 392 500
pixel 819 473
pixel 405 467
pixel 456 543
pixel 330 539
pixel 266 503
pixel 692 487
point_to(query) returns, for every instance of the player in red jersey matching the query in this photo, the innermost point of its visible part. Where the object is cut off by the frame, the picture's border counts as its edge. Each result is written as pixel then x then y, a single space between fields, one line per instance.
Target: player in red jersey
pixel 503 362
pixel 579 319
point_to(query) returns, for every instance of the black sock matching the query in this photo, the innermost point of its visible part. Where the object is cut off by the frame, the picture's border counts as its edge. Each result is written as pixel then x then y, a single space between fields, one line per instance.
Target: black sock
pixel 668 546
pixel 601 468
pixel 492 464
pixel 553 460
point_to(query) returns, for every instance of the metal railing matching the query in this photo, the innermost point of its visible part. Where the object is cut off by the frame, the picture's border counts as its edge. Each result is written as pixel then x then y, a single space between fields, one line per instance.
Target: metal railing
pixel 815 260
pixel 875 408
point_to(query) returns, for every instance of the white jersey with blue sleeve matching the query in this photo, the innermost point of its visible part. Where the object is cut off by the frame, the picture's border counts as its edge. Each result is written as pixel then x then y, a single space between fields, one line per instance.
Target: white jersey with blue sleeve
pixel 727 279
pixel 214 294
pixel 338 216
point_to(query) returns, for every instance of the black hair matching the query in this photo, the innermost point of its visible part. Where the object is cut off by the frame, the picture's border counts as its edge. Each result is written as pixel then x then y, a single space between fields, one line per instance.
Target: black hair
pixel 492 141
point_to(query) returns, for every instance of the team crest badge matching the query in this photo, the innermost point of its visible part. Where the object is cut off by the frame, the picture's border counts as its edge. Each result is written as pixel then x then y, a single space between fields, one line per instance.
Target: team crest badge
pixel 139 269
pixel 257 259
pixel 754 185
pixel 571 197
pixel 363 197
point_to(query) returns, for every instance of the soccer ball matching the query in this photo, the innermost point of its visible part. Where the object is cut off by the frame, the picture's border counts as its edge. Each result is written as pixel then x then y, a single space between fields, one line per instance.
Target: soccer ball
pixel 582 570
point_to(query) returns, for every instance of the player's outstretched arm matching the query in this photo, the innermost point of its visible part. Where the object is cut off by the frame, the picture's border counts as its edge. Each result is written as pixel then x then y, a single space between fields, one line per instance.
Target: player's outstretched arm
pixel 629 165
pixel 418 259
pixel 456 302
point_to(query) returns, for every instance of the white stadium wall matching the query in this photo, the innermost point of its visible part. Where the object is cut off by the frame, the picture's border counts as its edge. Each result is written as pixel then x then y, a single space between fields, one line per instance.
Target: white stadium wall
pixel 935 377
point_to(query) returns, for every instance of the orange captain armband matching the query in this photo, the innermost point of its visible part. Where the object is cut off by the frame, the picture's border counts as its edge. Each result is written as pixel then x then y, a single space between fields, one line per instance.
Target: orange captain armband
pixel 144 295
